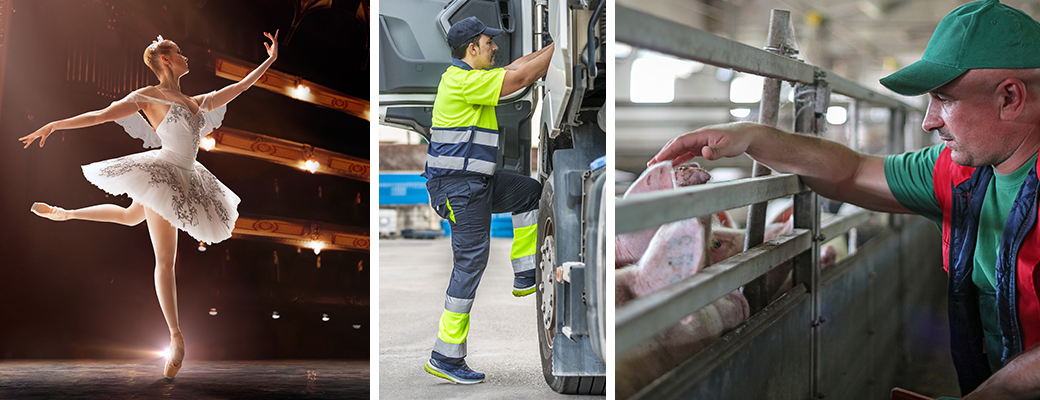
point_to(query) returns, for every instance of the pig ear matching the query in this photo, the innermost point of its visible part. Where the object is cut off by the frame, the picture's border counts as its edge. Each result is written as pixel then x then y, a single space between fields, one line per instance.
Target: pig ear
pixel 657 177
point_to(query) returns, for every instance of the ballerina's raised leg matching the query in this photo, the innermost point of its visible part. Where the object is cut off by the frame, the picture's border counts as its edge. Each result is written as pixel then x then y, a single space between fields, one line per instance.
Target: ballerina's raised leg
pixel 164 243
pixel 129 216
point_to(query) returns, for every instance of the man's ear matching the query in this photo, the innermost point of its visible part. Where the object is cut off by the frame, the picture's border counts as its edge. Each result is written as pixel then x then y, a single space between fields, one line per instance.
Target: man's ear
pixel 472 48
pixel 1012 94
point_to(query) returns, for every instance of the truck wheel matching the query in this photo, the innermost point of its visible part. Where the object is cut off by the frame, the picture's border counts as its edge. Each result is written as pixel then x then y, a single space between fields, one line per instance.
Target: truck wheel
pixel 545 272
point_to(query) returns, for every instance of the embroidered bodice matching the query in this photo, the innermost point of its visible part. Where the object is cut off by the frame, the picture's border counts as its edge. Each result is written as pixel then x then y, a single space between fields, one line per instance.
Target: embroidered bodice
pixel 179 132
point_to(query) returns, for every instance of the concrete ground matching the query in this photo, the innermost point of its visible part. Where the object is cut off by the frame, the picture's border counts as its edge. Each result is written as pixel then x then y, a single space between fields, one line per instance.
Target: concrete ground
pixel 503 336
pixel 125 379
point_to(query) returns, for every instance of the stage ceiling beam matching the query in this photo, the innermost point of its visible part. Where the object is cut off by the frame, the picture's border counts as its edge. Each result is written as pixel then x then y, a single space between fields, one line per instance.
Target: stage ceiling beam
pixel 286 152
pixel 293 86
pixel 318 236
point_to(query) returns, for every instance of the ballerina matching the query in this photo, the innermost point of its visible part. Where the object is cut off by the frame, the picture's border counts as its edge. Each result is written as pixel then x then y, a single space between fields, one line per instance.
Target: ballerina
pixel 168 187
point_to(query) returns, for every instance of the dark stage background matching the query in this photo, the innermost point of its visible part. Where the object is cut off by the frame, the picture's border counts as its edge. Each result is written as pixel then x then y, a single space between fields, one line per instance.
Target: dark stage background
pixel 84 289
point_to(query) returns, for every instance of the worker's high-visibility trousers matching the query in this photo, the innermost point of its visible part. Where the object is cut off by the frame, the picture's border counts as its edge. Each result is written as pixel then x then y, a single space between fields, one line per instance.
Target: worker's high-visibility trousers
pixel 467 202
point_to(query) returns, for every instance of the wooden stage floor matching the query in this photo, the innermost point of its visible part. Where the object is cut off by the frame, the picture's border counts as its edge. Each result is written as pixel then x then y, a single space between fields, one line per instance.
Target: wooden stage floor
pixel 125 379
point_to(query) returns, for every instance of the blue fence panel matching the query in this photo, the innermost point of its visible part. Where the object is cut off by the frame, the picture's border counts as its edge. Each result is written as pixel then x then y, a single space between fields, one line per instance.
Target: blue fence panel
pixel 402 189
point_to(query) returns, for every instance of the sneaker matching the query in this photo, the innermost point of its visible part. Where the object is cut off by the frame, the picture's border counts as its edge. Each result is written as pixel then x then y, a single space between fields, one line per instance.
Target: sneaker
pixel 457 374
pixel 523 285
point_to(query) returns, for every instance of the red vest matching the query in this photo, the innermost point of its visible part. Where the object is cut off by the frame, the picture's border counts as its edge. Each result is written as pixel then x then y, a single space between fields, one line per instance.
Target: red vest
pixel 960 192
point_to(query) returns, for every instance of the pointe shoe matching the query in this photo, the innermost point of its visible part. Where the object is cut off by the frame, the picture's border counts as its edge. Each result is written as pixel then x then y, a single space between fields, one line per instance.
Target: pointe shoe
pixel 50 212
pixel 174 363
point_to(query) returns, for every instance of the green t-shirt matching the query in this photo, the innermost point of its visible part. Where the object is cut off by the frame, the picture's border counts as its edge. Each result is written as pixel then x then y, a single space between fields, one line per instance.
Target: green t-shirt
pixel 909 176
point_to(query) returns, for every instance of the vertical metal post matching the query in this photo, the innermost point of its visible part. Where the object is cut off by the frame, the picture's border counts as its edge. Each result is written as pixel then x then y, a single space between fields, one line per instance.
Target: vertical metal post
pixel 853 121
pixel 540 7
pixel 768 112
pixel 897 130
pixel 807 272
pixel 809 100
pixel 897 144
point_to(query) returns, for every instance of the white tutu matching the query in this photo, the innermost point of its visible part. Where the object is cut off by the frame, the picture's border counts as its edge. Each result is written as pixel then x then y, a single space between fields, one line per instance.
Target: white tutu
pixel 169 180
pixel 192 200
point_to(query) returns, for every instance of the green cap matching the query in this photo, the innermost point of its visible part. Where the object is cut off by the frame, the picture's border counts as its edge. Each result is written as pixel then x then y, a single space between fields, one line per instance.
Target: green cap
pixel 980 34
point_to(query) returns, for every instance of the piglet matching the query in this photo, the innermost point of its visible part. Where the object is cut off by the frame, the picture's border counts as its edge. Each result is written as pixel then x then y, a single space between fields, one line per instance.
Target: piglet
pixel 629 247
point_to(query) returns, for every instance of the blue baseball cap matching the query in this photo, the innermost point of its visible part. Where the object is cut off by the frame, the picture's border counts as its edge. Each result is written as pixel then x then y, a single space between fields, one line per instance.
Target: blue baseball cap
pixel 467 29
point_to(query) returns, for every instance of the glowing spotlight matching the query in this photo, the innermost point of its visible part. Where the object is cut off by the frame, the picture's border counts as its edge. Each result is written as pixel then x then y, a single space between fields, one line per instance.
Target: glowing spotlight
pixel 316 245
pixel 325 317
pixel 357 326
pixel 275 315
pixel 311 165
pixel 164 354
pixel 213 311
pixel 202 246
pixel 300 92
pixel 208 143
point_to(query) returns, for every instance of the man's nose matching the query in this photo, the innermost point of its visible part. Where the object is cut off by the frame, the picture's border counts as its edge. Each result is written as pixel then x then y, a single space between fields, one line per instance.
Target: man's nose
pixel 932 120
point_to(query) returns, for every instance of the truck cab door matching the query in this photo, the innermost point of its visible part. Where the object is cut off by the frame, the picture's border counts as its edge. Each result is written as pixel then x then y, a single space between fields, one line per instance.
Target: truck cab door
pixel 414 53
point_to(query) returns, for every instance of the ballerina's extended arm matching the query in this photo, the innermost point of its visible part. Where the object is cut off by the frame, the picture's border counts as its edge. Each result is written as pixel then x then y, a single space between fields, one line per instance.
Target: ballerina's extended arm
pixel 114 111
pixel 229 92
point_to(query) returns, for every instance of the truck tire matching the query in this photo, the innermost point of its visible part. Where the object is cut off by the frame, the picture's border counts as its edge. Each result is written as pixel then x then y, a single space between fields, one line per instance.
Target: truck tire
pixel 545 267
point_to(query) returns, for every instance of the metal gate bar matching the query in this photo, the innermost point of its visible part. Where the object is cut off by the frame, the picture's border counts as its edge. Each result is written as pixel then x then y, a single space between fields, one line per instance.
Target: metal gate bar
pixel 644 317
pixel 651 209
pixel 653 33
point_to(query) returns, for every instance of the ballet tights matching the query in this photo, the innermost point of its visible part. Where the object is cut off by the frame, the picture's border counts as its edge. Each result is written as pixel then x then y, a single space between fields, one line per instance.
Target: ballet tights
pixel 164 243
pixel 129 216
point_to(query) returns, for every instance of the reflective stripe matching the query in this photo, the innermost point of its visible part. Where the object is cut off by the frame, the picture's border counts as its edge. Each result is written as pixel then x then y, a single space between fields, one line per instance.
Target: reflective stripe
pixel 445 162
pixel 481 166
pixel 522 264
pixel 486 139
pixel 451 213
pixel 457 305
pixel 525 219
pixel 450 137
pixel 455 137
pixel 450 349
pixel 524 239
pixel 454 327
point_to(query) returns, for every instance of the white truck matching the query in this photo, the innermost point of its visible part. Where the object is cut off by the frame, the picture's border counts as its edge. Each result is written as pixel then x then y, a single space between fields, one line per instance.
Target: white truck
pixel 571 126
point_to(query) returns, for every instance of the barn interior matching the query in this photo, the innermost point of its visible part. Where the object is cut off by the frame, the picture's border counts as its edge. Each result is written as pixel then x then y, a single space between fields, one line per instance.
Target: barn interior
pixel 879 314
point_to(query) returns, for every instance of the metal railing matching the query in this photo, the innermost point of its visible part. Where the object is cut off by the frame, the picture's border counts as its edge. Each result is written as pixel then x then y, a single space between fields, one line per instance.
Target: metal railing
pixel 643 318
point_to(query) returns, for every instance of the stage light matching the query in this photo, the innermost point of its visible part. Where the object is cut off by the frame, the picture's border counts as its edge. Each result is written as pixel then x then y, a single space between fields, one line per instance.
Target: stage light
pixel 275 315
pixel 357 326
pixel 164 353
pixel 316 245
pixel 213 311
pixel 325 317
pixel 311 165
pixel 208 143
pixel 300 92
pixel 202 246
